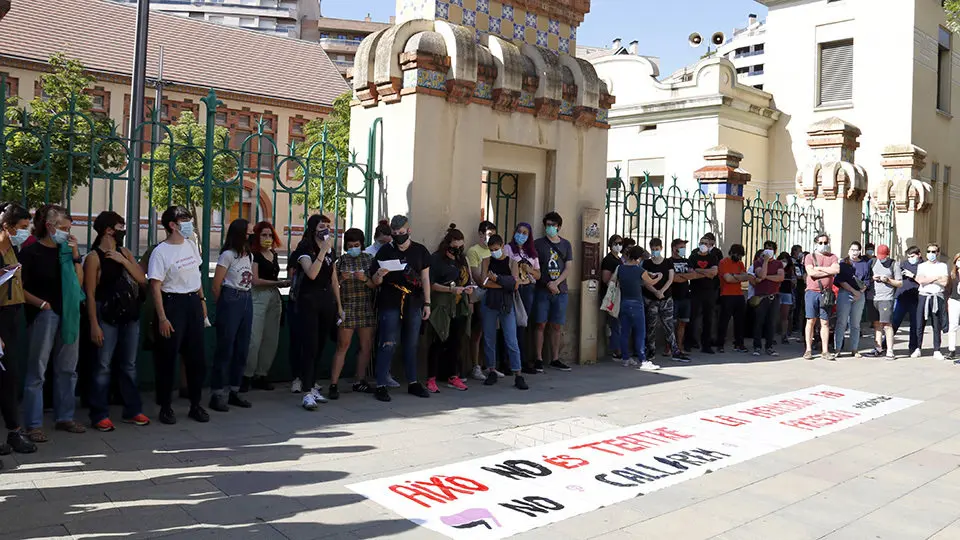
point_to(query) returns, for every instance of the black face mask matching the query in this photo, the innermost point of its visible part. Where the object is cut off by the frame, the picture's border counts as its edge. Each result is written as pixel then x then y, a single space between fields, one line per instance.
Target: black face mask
pixel 400 239
pixel 323 234
pixel 252 239
pixel 118 236
pixel 455 251
pixel 735 258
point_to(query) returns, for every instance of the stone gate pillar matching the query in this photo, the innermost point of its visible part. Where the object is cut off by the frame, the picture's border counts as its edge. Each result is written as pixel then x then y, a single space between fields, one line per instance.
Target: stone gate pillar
pixel 834 181
pixel 722 177
pixel 904 189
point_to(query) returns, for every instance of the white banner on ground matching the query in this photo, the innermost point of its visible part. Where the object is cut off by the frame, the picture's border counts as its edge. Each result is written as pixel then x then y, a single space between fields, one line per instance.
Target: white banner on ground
pixel 519 490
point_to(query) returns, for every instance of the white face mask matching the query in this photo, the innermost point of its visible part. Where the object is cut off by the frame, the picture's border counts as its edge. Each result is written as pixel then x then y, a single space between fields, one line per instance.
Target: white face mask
pixel 913 259
pixel 854 253
pixel 704 248
pixel 617 248
pixel 822 248
pixel 768 253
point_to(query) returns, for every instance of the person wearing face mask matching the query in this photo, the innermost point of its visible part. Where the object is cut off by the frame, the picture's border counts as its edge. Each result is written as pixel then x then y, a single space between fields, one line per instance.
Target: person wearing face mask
pixel 786 294
pixel 550 305
pixel 853 280
pixel 658 302
pixel 522 253
pixel 769 275
pixel 14 225
pixel 450 316
pixel 907 297
pixel 401 271
pixel 267 307
pixel 113 279
pixel 680 290
pixel 703 263
pixel 627 244
pixel 821 268
pixel 51 283
pixel 381 237
pixel 887 279
pixel 475 256
pixel 175 284
pixel 933 276
pixel 359 316
pixel 799 288
pixel 608 266
pixel 733 274
pixel 953 309
pixel 501 279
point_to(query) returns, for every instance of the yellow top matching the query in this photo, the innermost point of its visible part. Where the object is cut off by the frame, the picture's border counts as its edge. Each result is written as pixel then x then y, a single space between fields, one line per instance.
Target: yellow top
pixel 11 292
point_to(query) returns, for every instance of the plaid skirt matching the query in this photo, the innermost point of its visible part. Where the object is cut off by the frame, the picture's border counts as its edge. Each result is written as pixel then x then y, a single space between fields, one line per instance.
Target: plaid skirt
pixel 358 309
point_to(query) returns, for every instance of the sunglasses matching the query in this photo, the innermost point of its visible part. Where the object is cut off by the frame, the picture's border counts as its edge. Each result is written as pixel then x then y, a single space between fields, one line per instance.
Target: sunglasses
pixel 823 243
pixel 934 252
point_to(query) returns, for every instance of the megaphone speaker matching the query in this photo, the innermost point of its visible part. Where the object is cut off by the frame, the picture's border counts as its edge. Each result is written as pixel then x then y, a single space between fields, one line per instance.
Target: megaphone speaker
pixel 695 39
pixel 718 38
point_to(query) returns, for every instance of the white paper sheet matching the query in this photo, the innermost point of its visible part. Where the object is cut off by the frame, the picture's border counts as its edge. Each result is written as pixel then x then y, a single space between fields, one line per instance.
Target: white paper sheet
pixel 393 265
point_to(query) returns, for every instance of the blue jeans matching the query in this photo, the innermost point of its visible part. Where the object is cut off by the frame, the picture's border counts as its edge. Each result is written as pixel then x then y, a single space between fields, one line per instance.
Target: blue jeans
pixel 906 305
pixel 46 343
pixel 550 308
pixel 508 323
pixel 633 319
pixel 234 325
pixel 615 339
pixel 849 315
pixel 392 328
pixel 120 342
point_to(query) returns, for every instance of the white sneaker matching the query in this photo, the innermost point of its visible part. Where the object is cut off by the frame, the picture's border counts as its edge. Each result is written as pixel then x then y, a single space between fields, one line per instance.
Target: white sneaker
pixel 629 362
pixel 391 382
pixel 915 354
pixel 938 355
pixel 499 374
pixel 317 395
pixel 309 402
pixel 647 365
pixel 296 386
pixel 477 374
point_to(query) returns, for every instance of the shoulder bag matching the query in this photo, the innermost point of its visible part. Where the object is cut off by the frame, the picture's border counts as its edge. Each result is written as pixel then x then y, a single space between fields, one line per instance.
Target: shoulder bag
pixel 611 300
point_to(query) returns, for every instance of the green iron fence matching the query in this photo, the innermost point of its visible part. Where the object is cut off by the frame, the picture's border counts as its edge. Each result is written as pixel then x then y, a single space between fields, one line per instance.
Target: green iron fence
pixel 500 206
pixel 643 210
pixel 877 225
pixel 786 224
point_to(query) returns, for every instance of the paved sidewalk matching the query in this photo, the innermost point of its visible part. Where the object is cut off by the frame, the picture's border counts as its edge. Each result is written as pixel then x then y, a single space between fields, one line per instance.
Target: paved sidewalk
pixel 278 472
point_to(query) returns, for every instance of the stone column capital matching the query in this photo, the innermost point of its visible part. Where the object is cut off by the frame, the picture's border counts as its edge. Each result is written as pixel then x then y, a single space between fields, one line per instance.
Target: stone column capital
pixel 721 174
pixel 832 172
pixel 902 185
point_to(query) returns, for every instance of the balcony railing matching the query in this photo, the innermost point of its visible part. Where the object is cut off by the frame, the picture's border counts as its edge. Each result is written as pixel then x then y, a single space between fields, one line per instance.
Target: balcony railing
pixel 748 54
pixel 343 63
pixel 339 44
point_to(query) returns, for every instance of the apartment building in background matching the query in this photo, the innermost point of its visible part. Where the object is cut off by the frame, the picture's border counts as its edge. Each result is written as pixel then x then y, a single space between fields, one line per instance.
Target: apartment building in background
pixel 746 48
pixel 285 18
pixel 341 37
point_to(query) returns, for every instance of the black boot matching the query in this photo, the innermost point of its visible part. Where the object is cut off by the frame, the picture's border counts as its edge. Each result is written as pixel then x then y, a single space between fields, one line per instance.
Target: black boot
pixel 238 401
pixel 19 443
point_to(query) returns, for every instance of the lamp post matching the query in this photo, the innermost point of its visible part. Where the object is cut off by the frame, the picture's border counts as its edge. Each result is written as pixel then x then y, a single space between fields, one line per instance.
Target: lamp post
pixel 137 90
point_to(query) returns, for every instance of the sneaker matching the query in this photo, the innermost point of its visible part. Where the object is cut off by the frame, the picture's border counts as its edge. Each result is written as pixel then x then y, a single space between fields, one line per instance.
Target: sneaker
pixel 391 382
pixel 891 356
pixel 432 385
pixel 498 372
pixel 538 366
pixel 456 384
pixel 318 395
pixel 938 355
pixel 807 355
pixel 529 370
pixel 362 387
pixel 104 425
pixel 772 352
pixel 519 383
pixel 857 355
pixel 756 351
pixel 477 374
pixel 951 355
pixel 875 353
pixel 558 365
pixel 167 416
pixel 740 349
pixel 491 379
pixel 334 392
pixel 629 362
pixel 785 340
pixel 681 357
pixel 245 385
pixel 707 350
pixel 261 383
pixel 237 401
pixel 647 365
pixel 199 414
pixel 829 356
pixel 19 443
pixel 309 402
pixel 721 350
pixel 296 386
pixel 139 420
pixel 915 353
pixel 417 389
pixel 218 403
pixel 382 394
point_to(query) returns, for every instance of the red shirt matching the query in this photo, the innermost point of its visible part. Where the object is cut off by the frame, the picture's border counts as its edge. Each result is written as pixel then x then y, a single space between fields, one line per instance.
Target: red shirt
pixel 727 266
pixel 817 259
pixel 767 287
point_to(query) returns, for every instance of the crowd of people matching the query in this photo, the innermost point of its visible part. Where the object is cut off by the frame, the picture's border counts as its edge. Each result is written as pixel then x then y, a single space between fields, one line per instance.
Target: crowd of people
pixel 771 295
pixel 510 295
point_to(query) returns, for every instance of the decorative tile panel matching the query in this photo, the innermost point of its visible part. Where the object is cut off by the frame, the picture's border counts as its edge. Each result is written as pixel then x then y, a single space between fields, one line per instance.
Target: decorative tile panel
pixel 553 26
pixel 566 108
pixel 519 32
pixel 431 79
pixel 410 78
pixel 541 39
pixel 483 90
pixel 564 45
pixel 494 25
pixel 602 115
pixel 531 20
pixel 443 10
pixel 527 100
pixel 507 12
pixel 456 3
pixel 469 17
pixel 483 6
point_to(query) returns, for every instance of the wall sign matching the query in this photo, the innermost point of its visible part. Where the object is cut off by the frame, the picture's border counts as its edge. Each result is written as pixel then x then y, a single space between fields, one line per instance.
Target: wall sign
pixel 512 492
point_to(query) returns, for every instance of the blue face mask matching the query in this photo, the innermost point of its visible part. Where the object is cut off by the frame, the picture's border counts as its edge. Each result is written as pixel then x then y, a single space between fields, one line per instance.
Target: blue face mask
pixel 656 253
pixel 186 229
pixel 932 257
pixel 497 254
pixel 18 239
pixel 353 252
pixel 552 231
pixel 61 237
pixel 520 238
pixel 682 251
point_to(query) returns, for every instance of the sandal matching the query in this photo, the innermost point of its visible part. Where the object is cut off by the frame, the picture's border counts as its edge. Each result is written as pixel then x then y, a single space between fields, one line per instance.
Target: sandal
pixel 36 435
pixel 70 427
pixel 808 355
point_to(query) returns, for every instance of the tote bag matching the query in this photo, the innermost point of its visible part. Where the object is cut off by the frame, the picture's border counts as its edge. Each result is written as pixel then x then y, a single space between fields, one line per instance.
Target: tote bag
pixel 522 317
pixel 611 300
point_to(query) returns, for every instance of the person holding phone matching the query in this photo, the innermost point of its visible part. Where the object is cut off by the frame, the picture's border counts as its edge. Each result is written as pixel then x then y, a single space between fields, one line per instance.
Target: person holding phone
pixel 450 317
pixel 501 280
pixel 887 280
pixel 521 251
pixel 357 312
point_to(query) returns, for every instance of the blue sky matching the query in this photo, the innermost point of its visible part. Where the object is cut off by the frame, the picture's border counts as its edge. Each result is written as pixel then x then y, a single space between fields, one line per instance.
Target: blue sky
pixel 660 27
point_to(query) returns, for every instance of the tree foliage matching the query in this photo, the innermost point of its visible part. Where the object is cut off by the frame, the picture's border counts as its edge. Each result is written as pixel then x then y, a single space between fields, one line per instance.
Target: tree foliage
pixel 183 184
pixel 952 8
pixel 326 169
pixel 61 117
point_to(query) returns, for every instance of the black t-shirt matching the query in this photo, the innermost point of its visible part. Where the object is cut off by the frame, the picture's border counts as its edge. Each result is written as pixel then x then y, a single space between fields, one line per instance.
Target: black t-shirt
pixel 268 270
pixel 609 263
pixel 664 269
pixel 41 277
pixel 323 282
pixel 680 291
pixel 701 261
pixel 719 255
pixel 444 270
pixel 391 293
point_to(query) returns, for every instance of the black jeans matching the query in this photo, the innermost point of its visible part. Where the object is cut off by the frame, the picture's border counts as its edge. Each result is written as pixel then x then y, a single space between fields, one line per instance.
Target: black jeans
pixel 732 306
pixel 9 382
pixel 765 321
pixel 185 313
pixel 702 305
pixel 443 360
pixel 926 305
pixel 318 319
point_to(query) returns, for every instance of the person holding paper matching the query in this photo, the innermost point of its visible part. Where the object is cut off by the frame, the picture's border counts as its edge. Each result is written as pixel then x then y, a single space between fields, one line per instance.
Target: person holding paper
pixel 403 303
pixel 450 316
pixel 359 317
pixel 14 225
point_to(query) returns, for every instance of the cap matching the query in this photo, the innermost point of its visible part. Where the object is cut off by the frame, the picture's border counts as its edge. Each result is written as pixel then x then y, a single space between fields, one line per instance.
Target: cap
pixel 883 251
pixel 677 242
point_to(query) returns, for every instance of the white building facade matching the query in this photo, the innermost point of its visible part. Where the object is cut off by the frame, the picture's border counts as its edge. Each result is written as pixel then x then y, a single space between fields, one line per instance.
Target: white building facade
pixel 746 49
pixel 279 17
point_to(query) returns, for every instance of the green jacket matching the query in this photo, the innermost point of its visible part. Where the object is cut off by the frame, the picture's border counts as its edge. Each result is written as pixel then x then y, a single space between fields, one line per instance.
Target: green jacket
pixel 73 296
pixel 445 307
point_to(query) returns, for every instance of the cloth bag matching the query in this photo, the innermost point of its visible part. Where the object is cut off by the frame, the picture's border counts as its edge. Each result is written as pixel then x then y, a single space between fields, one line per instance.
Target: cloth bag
pixel 611 300
pixel 520 310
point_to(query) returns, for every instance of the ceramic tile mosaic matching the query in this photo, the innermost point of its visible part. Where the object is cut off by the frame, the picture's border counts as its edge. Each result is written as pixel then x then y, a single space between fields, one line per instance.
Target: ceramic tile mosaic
pixel 541 39
pixel 553 26
pixel 494 25
pixel 456 3
pixel 507 12
pixel 431 79
pixel 531 20
pixel 410 78
pixel 443 10
pixel 483 6
pixel 564 45
pixel 484 90
pixel 527 99
pixel 566 108
pixel 470 18
pixel 602 115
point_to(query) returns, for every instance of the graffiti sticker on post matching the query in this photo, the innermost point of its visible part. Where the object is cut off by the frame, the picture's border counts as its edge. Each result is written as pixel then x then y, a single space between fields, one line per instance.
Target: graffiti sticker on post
pixel 519 490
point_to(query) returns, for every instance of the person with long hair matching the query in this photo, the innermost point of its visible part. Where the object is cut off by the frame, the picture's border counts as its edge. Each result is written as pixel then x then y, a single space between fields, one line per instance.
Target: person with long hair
pixel 357 312
pixel 112 279
pixel 232 282
pixel 317 290
pixel 175 284
pixel 786 294
pixel 608 266
pixel 450 316
pixel 632 279
pixel 853 280
pixel 953 308
pixel 53 317
pixel 14 230
pixel 521 252
pixel 267 307
pixel 501 279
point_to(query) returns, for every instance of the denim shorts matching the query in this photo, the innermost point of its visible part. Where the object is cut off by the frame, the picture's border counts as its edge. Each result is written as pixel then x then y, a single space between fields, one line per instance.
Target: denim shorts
pixel 786 299
pixel 681 310
pixel 550 308
pixel 811 299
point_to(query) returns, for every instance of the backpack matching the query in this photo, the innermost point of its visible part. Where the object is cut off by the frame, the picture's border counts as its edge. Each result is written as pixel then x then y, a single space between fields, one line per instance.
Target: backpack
pixel 122 304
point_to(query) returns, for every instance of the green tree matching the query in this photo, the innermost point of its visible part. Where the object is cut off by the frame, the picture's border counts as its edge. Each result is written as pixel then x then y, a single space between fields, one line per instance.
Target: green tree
pixel 324 173
pixel 953 14
pixel 183 185
pixel 62 119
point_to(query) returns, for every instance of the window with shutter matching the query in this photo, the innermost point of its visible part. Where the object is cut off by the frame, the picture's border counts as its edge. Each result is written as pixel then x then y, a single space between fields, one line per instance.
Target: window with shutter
pixel 836 72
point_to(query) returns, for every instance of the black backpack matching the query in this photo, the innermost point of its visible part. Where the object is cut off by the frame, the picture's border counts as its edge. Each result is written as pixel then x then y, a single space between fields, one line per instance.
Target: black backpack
pixel 122 304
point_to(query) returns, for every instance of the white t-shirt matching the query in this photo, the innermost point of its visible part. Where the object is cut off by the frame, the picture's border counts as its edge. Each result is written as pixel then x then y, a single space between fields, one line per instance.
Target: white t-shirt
pixel 177 266
pixel 932 269
pixel 239 270
pixel 373 248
